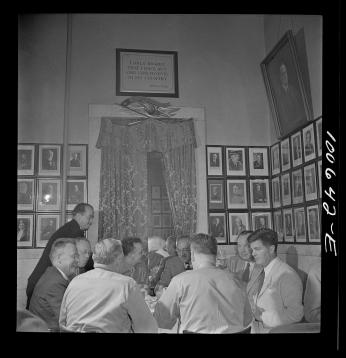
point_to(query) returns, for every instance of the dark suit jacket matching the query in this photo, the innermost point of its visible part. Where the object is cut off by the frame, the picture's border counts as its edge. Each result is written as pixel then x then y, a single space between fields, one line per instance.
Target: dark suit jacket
pixel 70 229
pixel 47 297
pixel 170 266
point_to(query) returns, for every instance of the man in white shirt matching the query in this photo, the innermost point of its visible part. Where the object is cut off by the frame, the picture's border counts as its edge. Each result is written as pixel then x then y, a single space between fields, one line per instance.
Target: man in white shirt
pixel 105 300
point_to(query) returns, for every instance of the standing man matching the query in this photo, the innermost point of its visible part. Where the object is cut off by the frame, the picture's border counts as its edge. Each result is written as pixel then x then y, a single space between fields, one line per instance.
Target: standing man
pixel 82 218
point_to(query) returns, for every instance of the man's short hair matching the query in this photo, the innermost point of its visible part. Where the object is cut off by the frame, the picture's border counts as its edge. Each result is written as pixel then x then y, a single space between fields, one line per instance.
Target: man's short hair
pixel 106 251
pixel 185 238
pixel 244 232
pixel 128 244
pixel 267 236
pixel 171 240
pixel 59 246
pixel 204 244
pixel 81 208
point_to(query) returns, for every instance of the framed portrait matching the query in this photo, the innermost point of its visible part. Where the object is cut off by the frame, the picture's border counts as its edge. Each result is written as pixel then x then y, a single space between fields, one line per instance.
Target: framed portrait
pixel 47 224
pixel 259 189
pixel 310 182
pixel 238 222
pixel 25 194
pixel 319 164
pixel 296 146
pixel 26 159
pixel 217 227
pixel 49 194
pixel 278 225
pixel 25 229
pixel 236 194
pixel 276 192
pixel 235 161
pixel 285 154
pixel 157 220
pixel 214 160
pixel 77 160
pixel 309 143
pixel 76 193
pixel 288 225
pixel 258 158
pixel 261 220
pixel 297 186
pixel 289 101
pixel 216 194
pixel 49 160
pixel 313 223
pixel 286 189
pixel 300 226
pixel 275 159
pixel 165 206
pixel 156 206
pixel 319 136
pixel 155 192
pixel 146 73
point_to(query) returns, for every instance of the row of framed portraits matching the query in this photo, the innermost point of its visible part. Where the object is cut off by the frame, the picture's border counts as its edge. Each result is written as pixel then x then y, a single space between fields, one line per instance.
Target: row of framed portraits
pixel 44 194
pixel 299 224
pixel 46 159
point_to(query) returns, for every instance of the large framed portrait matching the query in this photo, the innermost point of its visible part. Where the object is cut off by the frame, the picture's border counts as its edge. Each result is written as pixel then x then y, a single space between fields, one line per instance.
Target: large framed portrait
pixel 214 160
pixel 25 229
pixel 258 158
pixel 285 154
pixel 235 161
pixel 276 192
pixel 297 186
pixel 25 194
pixel 288 225
pixel 319 136
pixel 319 164
pixel 77 160
pixel 26 159
pixel 76 193
pixel 310 182
pixel 313 223
pixel 296 146
pixel 49 160
pixel 261 220
pixel 275 159
pixel 259 189
pixel 216 194
pixel 238 222
pixel 309 143
pixel 217 227
pixel 278 224
pixel 236 194
pixel 286 189
pixel 47 224
pixel 300 226
pixel 289 100
pixel 49 194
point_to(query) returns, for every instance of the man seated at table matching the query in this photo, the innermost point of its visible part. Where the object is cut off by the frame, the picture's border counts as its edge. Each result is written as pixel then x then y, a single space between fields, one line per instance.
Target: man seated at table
pixel 133 252
pixel 183 251
pixel 105 300
pixel 312 297
pixel 206 299
pixel 84 253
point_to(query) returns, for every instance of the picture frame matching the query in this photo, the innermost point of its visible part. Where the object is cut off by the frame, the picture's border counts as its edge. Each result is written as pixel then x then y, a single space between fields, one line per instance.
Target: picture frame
pixel 300 224
pixel 25 230
pixel 26 159
pixel 261 220
pixel 319 164
pixel 258 159
pixel 288 225
pixel 286 189
pixel 157 220
pixel 49 159
pixel 276 192
pixel 286 91
pixel 310 182
pixel 216 194
pixel 165 206
pixel 235 161
pixel 297 186
pixel 77 160
pixel 166 220
pixel 259 189
pixel 155 192
pixel 237 222
pixel 25 194
pixel 296 147
pixel 285 154
pixel 309 143
pixel 47 224
pixel 146 73
pixel 214 161
pixel 319 136
pixel 156 206
pixel 278 224
pixel 217 227
pixel 314 228
pixel 236 194
pixel 77 192
pixel 275 159
pixel 49 194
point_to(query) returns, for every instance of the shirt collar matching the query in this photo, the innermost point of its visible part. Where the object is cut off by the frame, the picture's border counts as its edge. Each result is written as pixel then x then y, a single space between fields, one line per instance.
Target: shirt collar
pixel 268 268
pixel 62 273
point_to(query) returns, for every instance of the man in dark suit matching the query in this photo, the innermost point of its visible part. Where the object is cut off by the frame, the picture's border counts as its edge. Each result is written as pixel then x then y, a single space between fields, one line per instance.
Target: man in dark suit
pixel 259 195
pixel 217 228
pixel 235 162
pixel 82 217
pixel 50 288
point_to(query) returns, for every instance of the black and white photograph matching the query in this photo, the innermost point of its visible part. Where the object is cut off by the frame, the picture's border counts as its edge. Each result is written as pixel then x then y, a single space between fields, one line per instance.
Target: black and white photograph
pixel 25 194
pixel 276 192
pixel 46 225
pixel 238 222
pixel 235 161
pixel 309 143
pixel 319 165
pixel 25 227
pixel 278 224
pixel 217 227
pixel 297 186
pixel 319 136
pixel 214 160
pixel 288 225
pixel 313 223
pixel 300 226
pixel 296 146
pixel 275 159
pixel 216 194
pixel 310 182
pixel 286 189
pixel 49 160
pixel 285 154
pixel 261 221
pixel 259 189
pixel 49 194
pixel 76 193
pixel 258 161
pixel 26 159
pixel 77 160
pixel 236 193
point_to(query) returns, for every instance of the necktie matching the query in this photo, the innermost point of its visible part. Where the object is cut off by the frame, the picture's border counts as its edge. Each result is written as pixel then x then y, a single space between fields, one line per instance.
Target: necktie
pixel 246 274
pixel 260 281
